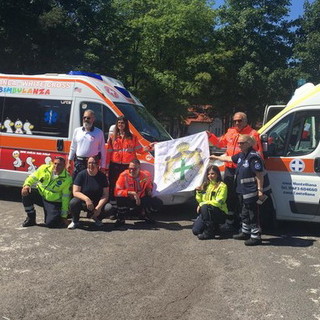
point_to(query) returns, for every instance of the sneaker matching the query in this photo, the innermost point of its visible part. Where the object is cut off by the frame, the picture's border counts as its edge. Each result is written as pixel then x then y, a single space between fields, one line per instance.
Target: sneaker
pixel 119 223
pixel 205 236
pixel 98 223
pixel 29 222
pixel 253 242
pixel 73 225
pixel 241 236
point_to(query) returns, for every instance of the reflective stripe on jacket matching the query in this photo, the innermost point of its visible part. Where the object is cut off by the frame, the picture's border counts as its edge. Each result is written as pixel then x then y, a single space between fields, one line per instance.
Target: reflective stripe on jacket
pixel 230 141
pixel 214 196
pixel 140 184
pixel 246 178
pixel 122 150
pixel 52 189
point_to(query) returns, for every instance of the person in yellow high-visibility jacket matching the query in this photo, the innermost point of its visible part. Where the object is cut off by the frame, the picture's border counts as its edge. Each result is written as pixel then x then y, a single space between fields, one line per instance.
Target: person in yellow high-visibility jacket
pixel 53 184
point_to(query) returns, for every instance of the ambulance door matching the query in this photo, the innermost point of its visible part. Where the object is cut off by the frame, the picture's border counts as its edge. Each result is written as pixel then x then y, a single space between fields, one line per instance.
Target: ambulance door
pixel 293 165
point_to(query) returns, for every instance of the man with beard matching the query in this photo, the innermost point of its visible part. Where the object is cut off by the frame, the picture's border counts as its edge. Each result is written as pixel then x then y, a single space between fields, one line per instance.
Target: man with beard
pixel 88 141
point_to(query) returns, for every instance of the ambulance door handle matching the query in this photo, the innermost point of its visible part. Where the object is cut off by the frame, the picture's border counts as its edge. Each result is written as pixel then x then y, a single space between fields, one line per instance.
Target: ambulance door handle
pixel 60 145
pixel 317 164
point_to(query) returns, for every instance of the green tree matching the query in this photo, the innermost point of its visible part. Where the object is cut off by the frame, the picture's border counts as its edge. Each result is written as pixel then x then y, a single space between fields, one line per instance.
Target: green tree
pixel 307 46
pixel 258 45
pixel 169 51
pixel 56 36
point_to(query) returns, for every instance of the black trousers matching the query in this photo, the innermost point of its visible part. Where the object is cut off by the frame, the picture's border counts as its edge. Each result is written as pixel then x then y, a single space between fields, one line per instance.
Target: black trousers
pixel 124 205
pixel 208 216
pixel 79 165
pixel 232 198
pixel 250 220
pixel 52 210
pixel 77 205
pixel 115 170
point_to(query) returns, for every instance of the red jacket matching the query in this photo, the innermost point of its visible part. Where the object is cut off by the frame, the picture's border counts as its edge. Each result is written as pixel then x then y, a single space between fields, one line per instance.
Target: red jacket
pixel 122 150
pixel 141 184
pixel 230 141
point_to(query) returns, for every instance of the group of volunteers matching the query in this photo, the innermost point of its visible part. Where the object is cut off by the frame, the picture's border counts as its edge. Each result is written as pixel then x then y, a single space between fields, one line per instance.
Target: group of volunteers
pixel 101 175
pixel 89 188
pixel 245 186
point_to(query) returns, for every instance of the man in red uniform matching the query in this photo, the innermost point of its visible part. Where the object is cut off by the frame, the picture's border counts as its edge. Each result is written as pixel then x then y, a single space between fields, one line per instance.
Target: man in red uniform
pixel 133 192
pixel 230 141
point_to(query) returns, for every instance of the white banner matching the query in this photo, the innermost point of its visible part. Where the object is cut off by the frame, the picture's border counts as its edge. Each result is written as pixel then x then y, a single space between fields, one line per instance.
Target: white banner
pixel 180 164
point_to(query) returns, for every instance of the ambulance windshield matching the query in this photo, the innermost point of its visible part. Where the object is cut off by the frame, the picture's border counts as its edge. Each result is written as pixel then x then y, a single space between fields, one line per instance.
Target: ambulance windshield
pixel 144 122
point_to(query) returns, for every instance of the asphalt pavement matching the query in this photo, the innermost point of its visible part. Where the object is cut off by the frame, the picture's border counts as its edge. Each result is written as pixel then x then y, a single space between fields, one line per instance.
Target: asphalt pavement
pixel 158 271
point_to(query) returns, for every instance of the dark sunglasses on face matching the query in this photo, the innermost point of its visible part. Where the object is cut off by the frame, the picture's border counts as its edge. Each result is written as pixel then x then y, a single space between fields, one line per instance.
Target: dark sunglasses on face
pixel 238 120
pixel 86 118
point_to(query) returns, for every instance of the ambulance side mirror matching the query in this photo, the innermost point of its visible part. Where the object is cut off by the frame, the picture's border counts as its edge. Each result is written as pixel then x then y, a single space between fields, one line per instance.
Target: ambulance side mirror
pixel 265 147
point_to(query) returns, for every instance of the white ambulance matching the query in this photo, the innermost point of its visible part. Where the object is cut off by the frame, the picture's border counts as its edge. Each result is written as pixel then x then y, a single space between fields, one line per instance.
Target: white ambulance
pixel 38 115
pixel 291 141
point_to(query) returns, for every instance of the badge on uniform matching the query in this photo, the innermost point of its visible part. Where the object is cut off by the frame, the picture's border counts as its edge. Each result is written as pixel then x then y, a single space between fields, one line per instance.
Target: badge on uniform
pixel 257 166
pixel 59 182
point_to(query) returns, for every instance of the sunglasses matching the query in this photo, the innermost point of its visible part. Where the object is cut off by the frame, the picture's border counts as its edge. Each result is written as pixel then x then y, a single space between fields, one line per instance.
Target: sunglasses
pixel 236 121
pixel 86 118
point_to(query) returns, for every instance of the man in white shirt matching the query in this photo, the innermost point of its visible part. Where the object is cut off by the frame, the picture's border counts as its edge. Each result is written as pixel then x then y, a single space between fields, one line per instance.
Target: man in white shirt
pixel 88 141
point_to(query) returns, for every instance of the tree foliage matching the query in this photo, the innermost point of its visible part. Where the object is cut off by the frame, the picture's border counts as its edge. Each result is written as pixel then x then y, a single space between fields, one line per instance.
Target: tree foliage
pixel 257 37
pixel 308 42
pixel 171 53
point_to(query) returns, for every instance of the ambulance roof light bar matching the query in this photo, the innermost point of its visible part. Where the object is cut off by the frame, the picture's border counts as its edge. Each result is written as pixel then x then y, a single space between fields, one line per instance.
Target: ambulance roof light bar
pixel 87 74
pixel 109 80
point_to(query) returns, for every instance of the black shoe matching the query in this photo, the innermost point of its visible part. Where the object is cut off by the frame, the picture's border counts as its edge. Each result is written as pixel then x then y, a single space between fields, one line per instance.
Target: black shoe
pixel 253 242
pixel 205 236
pixel 29 222
pixel 119 223
pixel 241 236
pixel 149 221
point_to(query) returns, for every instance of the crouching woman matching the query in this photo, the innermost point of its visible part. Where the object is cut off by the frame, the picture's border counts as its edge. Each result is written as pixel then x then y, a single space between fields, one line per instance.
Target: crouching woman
pixel 212 208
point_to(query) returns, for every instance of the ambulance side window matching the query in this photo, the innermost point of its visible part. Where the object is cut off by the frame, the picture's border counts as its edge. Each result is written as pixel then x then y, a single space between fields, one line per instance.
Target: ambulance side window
pixel 1 112
pixel 36 116
pixel 304 136
pixel 278 136
pixel 104 116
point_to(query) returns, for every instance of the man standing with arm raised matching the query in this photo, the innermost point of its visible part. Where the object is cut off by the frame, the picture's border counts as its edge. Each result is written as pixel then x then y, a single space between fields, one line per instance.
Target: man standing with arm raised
pixel 230 141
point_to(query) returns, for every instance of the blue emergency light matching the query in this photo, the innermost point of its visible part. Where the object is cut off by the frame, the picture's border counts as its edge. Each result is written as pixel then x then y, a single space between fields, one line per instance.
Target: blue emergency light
pixel 87 74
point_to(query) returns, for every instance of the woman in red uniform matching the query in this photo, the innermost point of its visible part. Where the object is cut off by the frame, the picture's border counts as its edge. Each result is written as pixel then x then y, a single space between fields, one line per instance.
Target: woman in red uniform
pixel 122 148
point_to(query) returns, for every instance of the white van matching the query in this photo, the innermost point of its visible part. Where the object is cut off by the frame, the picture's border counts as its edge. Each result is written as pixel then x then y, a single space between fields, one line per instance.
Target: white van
pixel 291 140
pixel 38 115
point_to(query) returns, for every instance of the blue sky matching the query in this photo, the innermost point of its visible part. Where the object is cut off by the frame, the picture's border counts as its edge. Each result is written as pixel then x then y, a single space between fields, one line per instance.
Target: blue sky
pixel 296 7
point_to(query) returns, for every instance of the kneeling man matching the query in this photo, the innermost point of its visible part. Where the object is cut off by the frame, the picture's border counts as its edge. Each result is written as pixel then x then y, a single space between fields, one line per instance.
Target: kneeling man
pixel 134 191
pixel 53 190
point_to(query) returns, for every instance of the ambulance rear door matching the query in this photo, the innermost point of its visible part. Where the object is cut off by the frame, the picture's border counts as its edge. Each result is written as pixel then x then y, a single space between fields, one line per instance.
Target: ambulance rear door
pixel 293 164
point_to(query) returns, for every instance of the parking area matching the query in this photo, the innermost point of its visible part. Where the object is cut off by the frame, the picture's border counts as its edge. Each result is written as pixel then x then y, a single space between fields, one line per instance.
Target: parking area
pixel 156 271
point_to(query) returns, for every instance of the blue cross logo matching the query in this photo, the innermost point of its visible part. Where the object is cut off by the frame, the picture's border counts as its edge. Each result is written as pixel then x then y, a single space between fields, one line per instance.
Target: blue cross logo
pixel 297 165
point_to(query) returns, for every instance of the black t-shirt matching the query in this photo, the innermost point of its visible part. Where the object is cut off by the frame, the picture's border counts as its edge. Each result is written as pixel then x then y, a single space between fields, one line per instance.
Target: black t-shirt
pixel 91 186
